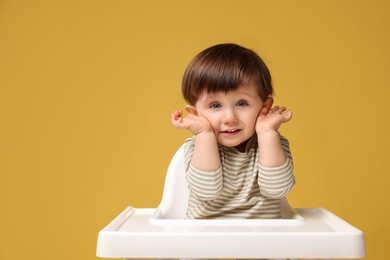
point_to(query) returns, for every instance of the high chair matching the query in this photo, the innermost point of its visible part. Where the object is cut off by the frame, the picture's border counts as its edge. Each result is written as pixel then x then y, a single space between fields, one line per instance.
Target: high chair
pixel 163 232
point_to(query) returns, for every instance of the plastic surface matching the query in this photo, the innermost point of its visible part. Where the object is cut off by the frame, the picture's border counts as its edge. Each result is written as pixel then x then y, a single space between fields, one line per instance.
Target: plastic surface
pixel 291 218
pixel 322 235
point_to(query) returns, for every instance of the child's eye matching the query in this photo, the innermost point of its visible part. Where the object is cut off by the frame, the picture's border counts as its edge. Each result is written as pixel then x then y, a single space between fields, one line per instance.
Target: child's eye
pixel 242 103
pixel 215 105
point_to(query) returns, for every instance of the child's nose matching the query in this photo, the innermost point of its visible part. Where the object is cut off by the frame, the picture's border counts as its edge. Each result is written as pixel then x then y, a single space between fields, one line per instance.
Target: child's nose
pixel 230 117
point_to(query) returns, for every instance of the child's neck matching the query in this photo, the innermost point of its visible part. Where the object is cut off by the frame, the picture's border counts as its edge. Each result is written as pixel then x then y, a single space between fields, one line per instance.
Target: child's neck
pixel 242 147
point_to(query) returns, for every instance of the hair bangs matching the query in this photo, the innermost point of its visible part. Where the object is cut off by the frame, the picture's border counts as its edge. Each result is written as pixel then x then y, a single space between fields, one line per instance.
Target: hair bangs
pixel 224 68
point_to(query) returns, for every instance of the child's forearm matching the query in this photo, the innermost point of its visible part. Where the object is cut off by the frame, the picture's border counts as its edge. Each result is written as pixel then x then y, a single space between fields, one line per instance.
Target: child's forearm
pixel 271 153
pixel 277 181
pixel 206 154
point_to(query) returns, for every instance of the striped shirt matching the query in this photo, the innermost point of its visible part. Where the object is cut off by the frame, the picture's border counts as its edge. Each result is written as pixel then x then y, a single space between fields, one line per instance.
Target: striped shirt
pixel 241 187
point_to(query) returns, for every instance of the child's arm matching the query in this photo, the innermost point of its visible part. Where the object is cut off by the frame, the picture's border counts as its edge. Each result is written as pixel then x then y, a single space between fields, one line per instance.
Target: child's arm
pixel 203 165
pixel 206 155
pixel 276 178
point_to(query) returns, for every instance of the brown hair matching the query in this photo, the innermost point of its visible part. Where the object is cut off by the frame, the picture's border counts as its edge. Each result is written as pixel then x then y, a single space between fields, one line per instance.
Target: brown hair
pixel 225 67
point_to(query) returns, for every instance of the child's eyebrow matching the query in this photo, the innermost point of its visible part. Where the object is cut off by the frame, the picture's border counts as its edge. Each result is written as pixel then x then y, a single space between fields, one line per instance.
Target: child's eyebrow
pixel 245 93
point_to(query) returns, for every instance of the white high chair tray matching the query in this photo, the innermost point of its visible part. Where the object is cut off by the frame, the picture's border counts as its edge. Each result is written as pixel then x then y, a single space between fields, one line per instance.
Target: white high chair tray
pixel 292 218
pixel 320 235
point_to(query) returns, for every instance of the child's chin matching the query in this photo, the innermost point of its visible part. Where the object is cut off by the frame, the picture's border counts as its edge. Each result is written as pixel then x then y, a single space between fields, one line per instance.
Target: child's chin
pixel 229 144
pixel 237 145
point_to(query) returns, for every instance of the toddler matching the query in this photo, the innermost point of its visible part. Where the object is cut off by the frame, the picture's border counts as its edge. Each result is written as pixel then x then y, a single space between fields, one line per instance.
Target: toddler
pixel 237 164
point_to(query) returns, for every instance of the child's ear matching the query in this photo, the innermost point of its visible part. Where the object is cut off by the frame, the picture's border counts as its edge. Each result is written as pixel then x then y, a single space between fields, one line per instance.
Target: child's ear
pixel 268 103
pixel 191 109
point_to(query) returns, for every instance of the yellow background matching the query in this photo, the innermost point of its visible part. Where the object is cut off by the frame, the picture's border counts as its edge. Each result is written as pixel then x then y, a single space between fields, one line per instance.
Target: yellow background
pixel 87 89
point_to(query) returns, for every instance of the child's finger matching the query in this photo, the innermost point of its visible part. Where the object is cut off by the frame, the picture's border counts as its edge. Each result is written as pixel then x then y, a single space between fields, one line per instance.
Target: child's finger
pixel 287 115
pixel 278 109
pixel 176 118
pixel 274 109
pixel 178 123
pixel 183 123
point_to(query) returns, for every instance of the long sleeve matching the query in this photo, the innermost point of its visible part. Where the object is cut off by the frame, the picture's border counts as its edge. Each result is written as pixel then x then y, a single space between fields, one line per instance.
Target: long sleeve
pixel 277 182
pixel 205 185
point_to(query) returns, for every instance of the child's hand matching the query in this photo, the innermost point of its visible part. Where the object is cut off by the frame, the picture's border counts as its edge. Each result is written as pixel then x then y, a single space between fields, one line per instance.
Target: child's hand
pixel 193 122
pixel 272 119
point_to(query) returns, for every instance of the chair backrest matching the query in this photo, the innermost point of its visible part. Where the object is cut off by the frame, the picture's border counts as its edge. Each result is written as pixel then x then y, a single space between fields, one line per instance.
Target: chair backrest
pixel 174 201
pixel 175 197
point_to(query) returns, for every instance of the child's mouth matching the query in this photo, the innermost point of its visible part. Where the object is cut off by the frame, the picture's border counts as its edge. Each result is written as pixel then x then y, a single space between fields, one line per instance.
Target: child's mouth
pixel 231 131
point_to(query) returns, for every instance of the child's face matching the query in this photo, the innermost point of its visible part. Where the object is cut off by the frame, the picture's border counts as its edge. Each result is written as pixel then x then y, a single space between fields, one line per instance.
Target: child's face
pixel 232 115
